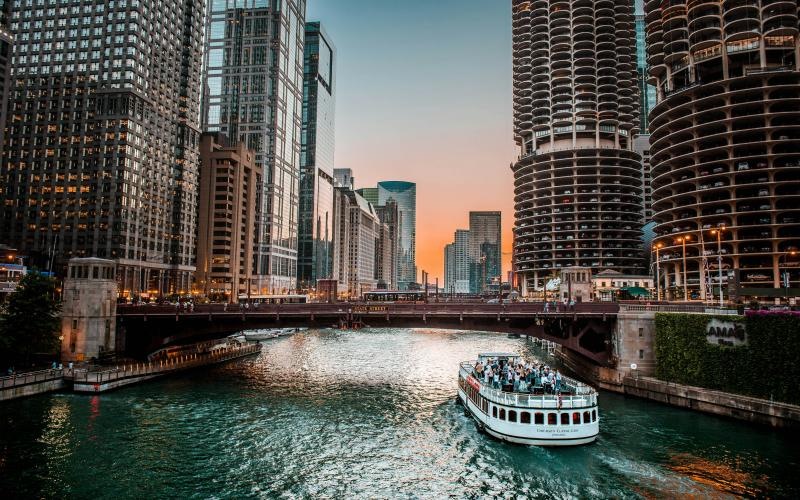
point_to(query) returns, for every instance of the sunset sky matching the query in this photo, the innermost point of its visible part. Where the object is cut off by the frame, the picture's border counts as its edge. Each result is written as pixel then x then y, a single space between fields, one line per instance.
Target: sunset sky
pixel 424 95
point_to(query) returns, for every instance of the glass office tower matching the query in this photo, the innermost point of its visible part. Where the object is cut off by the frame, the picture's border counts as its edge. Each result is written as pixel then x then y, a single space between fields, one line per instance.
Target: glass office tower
pixel 484 250
pixel 102 156
pixel 315 251
pixel 254 93
pixel 405 194
pixel 647 93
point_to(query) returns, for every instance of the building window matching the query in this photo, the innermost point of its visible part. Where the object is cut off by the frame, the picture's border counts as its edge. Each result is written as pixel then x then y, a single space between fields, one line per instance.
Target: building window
pixel 641 332
pixel 641 354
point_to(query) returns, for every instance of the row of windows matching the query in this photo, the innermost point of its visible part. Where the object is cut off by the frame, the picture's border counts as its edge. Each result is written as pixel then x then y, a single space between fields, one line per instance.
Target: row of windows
pixel 539 417
pixel 524 417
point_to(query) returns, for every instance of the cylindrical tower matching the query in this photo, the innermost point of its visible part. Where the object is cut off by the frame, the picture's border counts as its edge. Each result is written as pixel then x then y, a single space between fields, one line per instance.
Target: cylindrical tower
pixel 578 183
pixel 724 143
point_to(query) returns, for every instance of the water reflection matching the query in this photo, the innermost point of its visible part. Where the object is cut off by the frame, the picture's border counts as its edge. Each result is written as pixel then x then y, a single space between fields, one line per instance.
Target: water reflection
pixel 364 414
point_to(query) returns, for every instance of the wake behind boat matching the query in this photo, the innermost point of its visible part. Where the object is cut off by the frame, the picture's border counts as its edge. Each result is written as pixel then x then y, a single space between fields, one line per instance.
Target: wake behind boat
pixel 270 333
pixel 561 413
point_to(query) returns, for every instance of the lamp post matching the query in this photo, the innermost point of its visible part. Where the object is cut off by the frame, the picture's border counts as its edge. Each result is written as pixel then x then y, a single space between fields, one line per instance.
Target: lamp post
pixel 718 232
pixel 683 239
pixel 657 247
pixel 785 279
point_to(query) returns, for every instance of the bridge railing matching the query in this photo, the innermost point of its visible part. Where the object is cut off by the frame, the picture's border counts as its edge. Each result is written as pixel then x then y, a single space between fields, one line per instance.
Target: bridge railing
pixel 687 308
pixel 163 366
pixel 30 378
pixel 371 308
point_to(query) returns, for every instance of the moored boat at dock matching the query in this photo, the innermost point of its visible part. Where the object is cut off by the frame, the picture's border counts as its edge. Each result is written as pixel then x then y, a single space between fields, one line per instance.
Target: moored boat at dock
pixel 270 333
pixel 538 415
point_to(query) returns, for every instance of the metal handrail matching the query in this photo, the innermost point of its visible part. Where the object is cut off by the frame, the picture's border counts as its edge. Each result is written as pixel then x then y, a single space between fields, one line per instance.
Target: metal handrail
pixel 30 377
pixel 163 366
pixel 585 395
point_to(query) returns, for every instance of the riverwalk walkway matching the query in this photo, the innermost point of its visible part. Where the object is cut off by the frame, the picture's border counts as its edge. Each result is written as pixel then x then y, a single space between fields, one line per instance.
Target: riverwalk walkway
pixel 95 381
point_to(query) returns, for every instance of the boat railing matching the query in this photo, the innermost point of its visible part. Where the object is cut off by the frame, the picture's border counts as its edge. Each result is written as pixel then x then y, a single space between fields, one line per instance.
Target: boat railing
pixel 583 395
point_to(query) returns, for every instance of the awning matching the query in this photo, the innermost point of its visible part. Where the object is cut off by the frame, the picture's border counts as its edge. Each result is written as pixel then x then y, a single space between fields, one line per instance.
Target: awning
pixel 635 291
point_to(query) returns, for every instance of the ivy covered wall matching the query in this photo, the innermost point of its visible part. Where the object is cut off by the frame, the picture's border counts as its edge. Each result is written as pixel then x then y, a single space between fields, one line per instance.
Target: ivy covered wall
pixel 768 366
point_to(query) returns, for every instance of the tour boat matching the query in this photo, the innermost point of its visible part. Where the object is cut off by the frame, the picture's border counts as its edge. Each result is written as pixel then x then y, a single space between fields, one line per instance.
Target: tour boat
pixel 271 333
pixel 565 419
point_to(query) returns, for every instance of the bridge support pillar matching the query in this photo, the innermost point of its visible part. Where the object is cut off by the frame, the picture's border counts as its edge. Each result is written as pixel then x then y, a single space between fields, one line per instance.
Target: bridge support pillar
pixel 634 341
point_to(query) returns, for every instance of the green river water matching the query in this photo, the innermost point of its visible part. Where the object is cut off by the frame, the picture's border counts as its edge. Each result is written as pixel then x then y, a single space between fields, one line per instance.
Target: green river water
pixel 366 414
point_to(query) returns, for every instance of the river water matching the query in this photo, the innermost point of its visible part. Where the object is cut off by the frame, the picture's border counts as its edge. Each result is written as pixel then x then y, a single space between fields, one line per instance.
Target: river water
pixel 363 414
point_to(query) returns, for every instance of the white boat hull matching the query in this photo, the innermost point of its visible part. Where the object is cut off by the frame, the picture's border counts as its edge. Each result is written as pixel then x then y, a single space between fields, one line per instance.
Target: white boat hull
pixel 532 434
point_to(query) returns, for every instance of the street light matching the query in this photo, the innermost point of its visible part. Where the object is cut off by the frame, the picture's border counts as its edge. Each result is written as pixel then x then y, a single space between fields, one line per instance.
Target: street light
pixel 718 232
pixel 683 240
pixel 657 247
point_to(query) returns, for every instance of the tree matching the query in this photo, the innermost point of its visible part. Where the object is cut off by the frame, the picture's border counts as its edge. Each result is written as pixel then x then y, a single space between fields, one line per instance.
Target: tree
pixel 31 321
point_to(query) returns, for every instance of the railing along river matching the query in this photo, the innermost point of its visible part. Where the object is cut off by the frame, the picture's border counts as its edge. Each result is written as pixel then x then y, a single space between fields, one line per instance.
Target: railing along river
pixel 584 395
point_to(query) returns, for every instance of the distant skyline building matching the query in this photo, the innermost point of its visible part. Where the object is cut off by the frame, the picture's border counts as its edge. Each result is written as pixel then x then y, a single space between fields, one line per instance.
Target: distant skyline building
pixel 254 93
pixel 647 93
pixel 343 177
pixel 315 250
pixel 389 216
pixel 457 264
pixel 405 194
pixel 357 232
pixel 102 157
pixel 725 146
pixel 370 194
pixel 230 181
pixel 577 182
pixel 485 244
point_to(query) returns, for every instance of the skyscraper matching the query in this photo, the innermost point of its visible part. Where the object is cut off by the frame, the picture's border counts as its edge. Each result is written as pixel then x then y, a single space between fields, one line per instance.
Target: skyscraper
pixel 484 250
pixel 647 93
pixel 405 194
pixel 315 251
pixel 457 264
pixel 578 186
pixel 724 146
pixel 101 158
pixel 357 232
pixel 369 194
pixel 254 93
pixel 229 183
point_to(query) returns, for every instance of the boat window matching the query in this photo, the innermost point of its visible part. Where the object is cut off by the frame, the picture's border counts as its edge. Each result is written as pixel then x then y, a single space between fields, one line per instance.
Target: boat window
pixel 594 415
pixel 512 416
pixel 586 416
pixel 502 414
pixel 565 419
pixel 576 418
pixel 494 411
pixel 551 419
pixel 524 417
pixel 538 418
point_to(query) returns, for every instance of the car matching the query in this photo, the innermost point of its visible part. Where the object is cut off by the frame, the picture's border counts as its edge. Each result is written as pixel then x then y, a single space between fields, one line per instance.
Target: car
pixel 743 167
pixel 761 164
pixel 763 192
pixel 719 184
pixel 764 207
pixel 764 220
pixel 718 170
pixel 720 211
pixel 706 226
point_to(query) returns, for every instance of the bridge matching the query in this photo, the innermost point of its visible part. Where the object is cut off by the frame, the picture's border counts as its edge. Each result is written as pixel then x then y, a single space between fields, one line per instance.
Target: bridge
pixel 586 328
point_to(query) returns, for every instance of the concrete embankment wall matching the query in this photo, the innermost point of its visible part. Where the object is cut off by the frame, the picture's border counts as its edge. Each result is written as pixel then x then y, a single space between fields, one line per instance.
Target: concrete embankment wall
pixel 716 402
pixel 31 389
pixel 720 403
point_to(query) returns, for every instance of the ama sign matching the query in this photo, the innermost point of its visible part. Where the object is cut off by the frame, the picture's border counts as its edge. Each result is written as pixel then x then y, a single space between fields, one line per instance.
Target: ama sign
pixel 730 333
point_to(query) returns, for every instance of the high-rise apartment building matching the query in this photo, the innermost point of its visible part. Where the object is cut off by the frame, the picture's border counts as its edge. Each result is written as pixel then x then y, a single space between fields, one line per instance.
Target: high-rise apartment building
pixel 101 156
pixel 578 185
pixel 6 41
pixel 484 250
pixel 230 181
pixel 357 231
pixel 641 144
pixel 315 250
pixel 457 264
pixel 254 94
pixel 405 195
pixel 724 144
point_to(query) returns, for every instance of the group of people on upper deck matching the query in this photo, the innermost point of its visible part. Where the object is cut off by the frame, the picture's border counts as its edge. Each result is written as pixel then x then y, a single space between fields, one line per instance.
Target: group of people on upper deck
pixel 522 377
